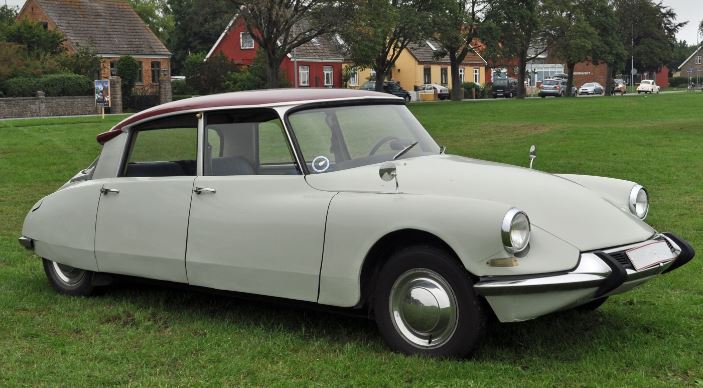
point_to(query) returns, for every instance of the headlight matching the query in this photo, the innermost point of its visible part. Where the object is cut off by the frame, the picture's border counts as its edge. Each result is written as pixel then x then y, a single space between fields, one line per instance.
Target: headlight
pixel 515 231
pixel 639 202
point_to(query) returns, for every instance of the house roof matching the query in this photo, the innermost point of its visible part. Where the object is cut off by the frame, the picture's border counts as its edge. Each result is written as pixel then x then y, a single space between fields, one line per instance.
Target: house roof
pixel 108 26
pixel 323 47
pixel 257 98
pixel 425 53
pixel 689 58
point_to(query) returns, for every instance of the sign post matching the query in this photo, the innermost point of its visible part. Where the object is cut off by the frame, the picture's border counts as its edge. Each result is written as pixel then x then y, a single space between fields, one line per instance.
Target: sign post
pixel 102 95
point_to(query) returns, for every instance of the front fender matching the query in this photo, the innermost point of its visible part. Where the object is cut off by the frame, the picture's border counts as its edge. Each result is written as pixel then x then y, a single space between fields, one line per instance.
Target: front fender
pixel 615 191
pixel 356 221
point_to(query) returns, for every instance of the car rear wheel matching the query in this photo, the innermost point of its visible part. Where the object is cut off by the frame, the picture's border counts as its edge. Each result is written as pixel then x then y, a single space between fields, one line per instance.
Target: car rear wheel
pixel 425 305
pixel 68 280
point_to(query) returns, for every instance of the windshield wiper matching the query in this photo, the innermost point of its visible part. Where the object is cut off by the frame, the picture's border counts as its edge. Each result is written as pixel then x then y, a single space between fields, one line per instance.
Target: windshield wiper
pixel 405 150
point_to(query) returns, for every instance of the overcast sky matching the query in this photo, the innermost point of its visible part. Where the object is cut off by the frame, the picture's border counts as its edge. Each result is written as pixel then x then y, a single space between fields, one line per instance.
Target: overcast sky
pixel 687 10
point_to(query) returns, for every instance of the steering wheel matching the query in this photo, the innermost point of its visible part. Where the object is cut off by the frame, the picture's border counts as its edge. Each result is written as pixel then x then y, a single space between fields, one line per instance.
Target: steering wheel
pixel 380 143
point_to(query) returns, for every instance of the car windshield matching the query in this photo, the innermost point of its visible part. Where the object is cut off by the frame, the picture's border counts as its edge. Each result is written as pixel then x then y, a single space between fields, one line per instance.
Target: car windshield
pixel 551 82
pixel 339 138
pixel 589 85
pixel 647 82
pixel 501 82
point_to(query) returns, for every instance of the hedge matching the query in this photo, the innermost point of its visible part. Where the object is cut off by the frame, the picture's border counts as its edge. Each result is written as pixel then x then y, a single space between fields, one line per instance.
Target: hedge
pixel 678 82
pixel 53 85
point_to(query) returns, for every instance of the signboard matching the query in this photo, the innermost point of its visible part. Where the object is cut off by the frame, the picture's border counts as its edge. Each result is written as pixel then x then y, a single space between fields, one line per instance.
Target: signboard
pixel 633 71
pixel 102 93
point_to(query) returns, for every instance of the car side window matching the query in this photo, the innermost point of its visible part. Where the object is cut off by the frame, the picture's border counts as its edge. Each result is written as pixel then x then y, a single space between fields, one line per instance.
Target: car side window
pixel 164 147
pixel 247 142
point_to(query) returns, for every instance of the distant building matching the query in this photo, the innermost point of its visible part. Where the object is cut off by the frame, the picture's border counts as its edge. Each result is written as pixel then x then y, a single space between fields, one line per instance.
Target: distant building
pixel 316 64
pixel 109 27
pixel 692 67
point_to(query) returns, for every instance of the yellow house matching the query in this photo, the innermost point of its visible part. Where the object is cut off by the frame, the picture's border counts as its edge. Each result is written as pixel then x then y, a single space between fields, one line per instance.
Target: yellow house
pixel 418 65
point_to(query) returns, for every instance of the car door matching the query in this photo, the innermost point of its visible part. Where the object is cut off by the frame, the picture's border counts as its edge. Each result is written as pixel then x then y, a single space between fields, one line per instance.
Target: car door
pixel 142 216
pixel 255 225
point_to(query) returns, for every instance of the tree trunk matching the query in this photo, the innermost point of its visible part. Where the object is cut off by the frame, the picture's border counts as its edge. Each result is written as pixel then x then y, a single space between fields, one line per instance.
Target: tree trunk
pixel 609 85
pixel 457 89
pixel 522 66
pixel 273 64
pixel 380 76
pixel 570 66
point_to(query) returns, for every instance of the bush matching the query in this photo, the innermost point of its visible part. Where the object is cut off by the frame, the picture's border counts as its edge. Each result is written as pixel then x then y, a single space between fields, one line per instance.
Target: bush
pixel 180 87
pixel 469 87
pixel 678 82
pixel 208 77
pixel 21 87
pixel 54 85
pixel 128 71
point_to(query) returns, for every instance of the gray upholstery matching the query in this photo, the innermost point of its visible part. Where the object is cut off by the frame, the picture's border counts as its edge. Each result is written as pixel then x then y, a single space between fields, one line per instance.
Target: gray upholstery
pixel 235 165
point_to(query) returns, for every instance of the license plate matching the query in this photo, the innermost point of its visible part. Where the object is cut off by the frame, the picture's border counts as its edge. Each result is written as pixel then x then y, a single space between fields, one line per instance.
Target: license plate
pixel 649 255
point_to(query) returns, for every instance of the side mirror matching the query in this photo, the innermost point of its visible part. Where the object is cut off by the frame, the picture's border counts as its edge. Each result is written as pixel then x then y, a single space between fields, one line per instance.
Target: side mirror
pixel 388 172
pixel 533 154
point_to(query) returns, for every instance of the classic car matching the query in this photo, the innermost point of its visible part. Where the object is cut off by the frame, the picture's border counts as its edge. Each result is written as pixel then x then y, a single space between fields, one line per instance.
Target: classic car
pixel 341 198
pixel 648 86
pixel 619 86
pixel 591 88
pixel 442 92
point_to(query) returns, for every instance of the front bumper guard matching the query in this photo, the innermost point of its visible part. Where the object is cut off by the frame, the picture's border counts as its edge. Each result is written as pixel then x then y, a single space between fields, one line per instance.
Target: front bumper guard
pixel 26 242
pixel 597 275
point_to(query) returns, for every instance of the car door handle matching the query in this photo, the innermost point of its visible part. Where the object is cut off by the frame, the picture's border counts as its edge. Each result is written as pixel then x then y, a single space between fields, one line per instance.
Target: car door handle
pixel 200 190
pixel 107 191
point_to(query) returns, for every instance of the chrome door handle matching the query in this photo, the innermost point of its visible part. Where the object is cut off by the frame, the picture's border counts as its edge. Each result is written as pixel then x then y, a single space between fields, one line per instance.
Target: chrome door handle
pixel 200 190
pixel 106 191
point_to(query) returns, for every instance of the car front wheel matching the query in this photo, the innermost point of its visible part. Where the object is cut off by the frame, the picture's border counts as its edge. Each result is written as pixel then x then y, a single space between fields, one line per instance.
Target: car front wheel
pixel 68 280
pixel 425 305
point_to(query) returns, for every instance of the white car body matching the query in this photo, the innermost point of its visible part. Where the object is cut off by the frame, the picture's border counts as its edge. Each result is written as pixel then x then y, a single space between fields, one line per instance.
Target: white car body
pixel 315 236
pixel 441 91
pixel 648 86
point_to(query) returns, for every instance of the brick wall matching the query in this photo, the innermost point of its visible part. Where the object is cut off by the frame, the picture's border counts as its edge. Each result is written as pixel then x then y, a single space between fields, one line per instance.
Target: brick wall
pixel 587 72
pixel 47 106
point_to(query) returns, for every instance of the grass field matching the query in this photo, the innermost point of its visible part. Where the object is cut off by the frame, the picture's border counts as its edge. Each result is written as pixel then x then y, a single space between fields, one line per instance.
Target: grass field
pixel 148 335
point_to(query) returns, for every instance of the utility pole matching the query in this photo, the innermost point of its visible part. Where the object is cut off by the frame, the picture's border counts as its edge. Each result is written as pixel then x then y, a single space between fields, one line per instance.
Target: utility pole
pixel 632 51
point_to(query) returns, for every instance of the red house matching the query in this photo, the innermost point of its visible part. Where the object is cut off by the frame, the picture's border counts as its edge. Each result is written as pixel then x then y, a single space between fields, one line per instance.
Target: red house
pixel 316 64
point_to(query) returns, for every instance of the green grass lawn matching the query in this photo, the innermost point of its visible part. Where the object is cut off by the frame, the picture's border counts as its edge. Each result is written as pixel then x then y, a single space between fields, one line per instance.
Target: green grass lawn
pixel 148 335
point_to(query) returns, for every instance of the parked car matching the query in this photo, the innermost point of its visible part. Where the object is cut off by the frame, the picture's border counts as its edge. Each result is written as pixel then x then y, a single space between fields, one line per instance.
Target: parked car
pixel 341 198
pixel 553 87
pixel 504 87
pixel 619 86
pixel 591 88
pixel 648 86
pixel 390 87
pixel 441 91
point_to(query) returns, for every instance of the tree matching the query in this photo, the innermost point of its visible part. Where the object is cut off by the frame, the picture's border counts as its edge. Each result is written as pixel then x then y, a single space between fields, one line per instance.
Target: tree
pixel 648 31
pixel 196 26
pixel 280 26
pixel 516 30
pixel 128 70
pixel 84 61
pixel 208 77
pixel 458 23
pixel 157 15
pixel 378 31
pixel 38 40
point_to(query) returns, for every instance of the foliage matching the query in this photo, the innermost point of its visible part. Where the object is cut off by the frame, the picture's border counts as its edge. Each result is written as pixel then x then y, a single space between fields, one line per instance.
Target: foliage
pixel 196 26
pixel 128 71
pixel 208 77
pixel 457 25
pixel 53 85
pixel 253 76
pixel 38 40
pixel 157 15
pixel 278 27
pixel 7 14
pixel 471 90
pixel 377 31
pixel 84 61
pixel 180 88
pixel 678 82
pixel 648 32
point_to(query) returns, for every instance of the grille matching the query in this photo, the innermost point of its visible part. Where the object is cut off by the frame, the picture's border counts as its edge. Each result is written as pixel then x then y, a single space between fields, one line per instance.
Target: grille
pixel 621 257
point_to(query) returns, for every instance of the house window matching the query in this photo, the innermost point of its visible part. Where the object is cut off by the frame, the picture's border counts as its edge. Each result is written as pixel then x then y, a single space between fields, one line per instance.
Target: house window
pixel 444 76
pixel 353 76
pixel 699 60
pixel 327 71
pixel 246 41
pixel 155 71
pixel 427 75
pixel 140 75
pixel 477 75
pixel 113 68
pixel 461 74
pixel 304 75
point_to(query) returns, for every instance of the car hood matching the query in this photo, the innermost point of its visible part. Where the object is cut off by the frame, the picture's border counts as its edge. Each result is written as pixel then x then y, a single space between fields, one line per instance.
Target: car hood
pixel 563 208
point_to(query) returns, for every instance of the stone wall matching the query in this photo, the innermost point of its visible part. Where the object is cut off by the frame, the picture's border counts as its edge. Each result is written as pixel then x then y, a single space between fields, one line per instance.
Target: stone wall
pixel 47 106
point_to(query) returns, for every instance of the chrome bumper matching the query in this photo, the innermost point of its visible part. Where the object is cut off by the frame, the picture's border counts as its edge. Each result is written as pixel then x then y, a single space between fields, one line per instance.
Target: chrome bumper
pixel 597 275
pixel 26 242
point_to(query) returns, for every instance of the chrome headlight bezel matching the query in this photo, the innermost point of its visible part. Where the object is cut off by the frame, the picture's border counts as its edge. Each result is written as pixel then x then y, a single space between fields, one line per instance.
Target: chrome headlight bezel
pixel 512 241
pixel 636 194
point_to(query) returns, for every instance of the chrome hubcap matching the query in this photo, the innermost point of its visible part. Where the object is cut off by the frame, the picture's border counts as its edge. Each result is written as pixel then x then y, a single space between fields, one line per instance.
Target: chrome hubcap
pixel 68 274
pixel 423 308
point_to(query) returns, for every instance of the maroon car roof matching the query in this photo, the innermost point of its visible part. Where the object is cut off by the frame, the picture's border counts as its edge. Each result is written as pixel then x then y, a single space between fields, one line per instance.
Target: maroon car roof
pixel 255 97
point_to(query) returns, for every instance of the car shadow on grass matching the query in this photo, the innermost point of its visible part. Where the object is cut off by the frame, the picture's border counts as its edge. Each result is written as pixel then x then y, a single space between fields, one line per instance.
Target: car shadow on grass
pixel 564 336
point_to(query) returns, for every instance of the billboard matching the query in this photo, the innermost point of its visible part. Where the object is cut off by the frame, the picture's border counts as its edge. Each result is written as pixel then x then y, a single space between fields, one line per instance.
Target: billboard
pixel 102 93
